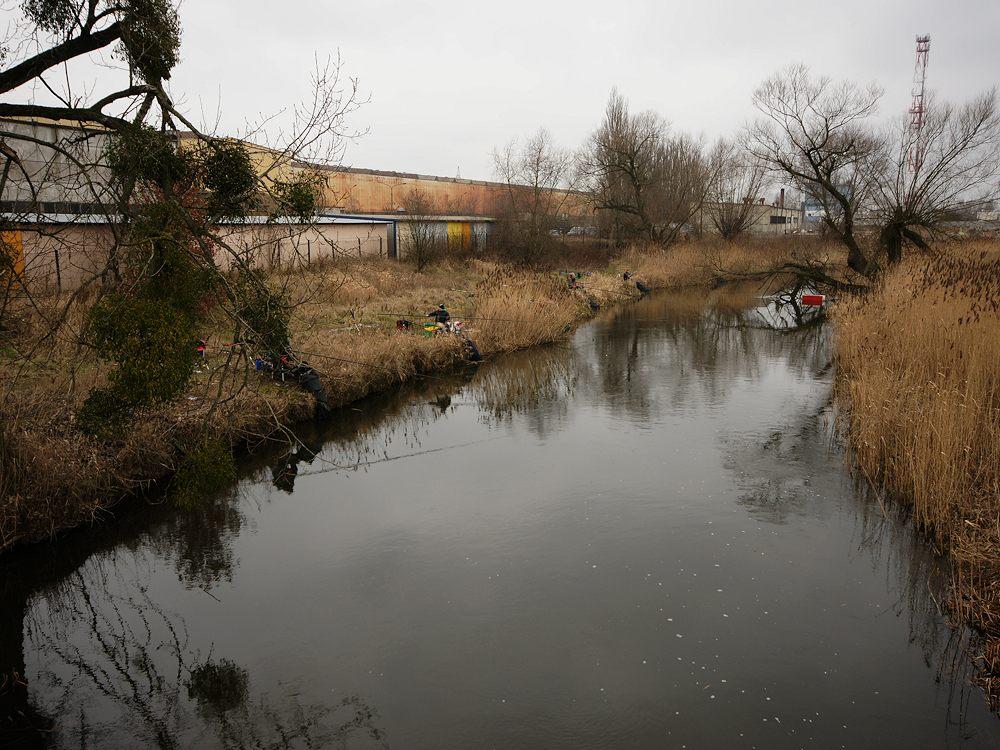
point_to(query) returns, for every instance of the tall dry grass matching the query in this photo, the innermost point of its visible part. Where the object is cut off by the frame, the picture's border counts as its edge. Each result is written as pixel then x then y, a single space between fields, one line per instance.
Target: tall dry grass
pixel 517 309
pixel 919 366
pixel 710 261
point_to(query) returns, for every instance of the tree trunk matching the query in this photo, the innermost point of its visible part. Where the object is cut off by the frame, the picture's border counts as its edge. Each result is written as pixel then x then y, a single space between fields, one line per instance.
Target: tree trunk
pixel 914 237
pixel 856 257
pixel 891 239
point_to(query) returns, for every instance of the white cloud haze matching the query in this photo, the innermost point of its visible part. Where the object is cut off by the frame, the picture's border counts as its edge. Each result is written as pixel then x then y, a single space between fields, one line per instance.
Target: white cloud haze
pixel 450 80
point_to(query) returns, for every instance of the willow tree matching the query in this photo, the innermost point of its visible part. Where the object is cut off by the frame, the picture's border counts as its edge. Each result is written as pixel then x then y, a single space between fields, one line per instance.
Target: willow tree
pixel 818 132
pixel 537 175
pixel 737 178
pixel 931 176
pixel 650 180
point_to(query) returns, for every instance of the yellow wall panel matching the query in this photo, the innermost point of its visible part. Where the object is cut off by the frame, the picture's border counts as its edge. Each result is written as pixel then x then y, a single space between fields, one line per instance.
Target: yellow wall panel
pixel 12 246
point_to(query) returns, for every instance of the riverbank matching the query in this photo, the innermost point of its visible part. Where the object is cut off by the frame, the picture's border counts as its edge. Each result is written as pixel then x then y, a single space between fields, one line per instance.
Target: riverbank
pixel 428 546
pixel 919 370
pixel 918 362
pixel 54 478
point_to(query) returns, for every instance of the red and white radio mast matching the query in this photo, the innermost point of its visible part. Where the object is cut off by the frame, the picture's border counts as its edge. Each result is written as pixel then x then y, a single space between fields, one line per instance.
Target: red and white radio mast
pixel 918 107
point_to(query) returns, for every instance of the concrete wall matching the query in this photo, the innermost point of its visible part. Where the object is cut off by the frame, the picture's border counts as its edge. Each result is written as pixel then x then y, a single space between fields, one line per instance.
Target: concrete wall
pixel 369 191
pixel 372 191
pixel 65 255
pixel 284 245
pixel 77 177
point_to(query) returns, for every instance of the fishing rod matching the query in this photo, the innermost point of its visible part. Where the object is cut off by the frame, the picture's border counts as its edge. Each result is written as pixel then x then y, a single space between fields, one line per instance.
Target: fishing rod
pixel 346 360
pixel 457 315
pixel 372 365
pixel 387 459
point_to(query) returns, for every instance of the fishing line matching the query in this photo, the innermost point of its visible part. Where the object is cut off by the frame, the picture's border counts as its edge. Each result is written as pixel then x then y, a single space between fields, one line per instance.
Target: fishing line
pixel 396 458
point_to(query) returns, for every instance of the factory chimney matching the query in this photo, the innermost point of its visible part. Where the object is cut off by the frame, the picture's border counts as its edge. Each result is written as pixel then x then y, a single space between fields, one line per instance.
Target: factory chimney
pixel 781 198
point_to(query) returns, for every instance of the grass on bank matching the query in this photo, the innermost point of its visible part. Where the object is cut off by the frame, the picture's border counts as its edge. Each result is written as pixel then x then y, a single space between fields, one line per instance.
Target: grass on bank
pixel 52 477
pixel 919 370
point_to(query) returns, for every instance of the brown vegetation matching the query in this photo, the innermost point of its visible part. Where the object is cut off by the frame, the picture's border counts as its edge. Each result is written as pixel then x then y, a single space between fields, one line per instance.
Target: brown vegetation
pixel 712 261
pixel 919 367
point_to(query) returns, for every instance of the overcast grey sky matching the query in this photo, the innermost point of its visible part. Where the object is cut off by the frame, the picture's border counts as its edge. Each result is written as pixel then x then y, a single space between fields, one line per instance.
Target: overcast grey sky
pixel 450 80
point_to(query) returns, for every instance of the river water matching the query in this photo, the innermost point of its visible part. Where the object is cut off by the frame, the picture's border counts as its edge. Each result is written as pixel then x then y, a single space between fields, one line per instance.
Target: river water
pixel 646 537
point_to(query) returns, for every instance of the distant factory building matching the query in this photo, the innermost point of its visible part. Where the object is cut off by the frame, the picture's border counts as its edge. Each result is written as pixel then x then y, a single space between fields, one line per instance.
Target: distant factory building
pixel 57 203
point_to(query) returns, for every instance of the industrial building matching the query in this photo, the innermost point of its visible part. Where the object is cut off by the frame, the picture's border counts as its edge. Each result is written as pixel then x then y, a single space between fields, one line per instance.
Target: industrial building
pixel 774 218
pixel 57 203
pixel 60 229
pixel 61 251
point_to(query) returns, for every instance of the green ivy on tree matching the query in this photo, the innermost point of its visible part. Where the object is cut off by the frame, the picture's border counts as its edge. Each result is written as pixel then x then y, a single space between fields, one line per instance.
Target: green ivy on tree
pixel 147 328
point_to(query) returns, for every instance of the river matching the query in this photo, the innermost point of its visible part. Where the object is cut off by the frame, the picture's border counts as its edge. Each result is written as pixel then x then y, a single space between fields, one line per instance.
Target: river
pixel 647 537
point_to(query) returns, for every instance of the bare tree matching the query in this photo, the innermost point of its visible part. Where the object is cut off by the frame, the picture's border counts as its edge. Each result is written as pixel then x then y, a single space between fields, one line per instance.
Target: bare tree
pixel 537 175
pixel 651 181
pixel 737 178
pixel 817 132
pixel 924 180
pixel 423 245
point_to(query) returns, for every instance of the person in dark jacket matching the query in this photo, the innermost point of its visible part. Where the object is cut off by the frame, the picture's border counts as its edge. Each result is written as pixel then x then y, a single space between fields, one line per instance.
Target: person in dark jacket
pixel 440 315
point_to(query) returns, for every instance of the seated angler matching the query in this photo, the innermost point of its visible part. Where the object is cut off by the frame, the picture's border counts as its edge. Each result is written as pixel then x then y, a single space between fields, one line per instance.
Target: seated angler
pixel 440 315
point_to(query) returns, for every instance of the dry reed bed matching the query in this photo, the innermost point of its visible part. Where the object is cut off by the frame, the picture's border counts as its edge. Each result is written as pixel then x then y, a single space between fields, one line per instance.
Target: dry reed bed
pixel 919 366
pixel 709 262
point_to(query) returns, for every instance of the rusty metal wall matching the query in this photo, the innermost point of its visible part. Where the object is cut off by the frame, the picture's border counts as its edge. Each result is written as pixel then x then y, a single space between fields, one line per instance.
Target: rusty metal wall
pixel 373 193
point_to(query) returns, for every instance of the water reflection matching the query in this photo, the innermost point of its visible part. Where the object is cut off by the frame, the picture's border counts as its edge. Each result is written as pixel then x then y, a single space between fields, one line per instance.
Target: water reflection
pixel 118 670
pixel 483 554
pixel 704 348
pixel 284 472
pixel 533 385
pixel 199 540
pixel 896 550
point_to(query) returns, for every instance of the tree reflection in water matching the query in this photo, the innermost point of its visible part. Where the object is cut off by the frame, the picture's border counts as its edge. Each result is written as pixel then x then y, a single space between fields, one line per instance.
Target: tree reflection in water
pixel 687 343
pixel 117 670
pixel 199 540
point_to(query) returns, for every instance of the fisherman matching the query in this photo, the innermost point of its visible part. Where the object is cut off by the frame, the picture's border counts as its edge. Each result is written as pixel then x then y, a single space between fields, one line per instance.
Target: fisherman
pixel 440 315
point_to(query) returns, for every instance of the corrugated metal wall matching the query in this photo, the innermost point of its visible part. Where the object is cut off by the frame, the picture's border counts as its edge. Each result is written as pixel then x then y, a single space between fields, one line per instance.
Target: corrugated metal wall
pixel 365 193
pixel 459 234
pixel 12 246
